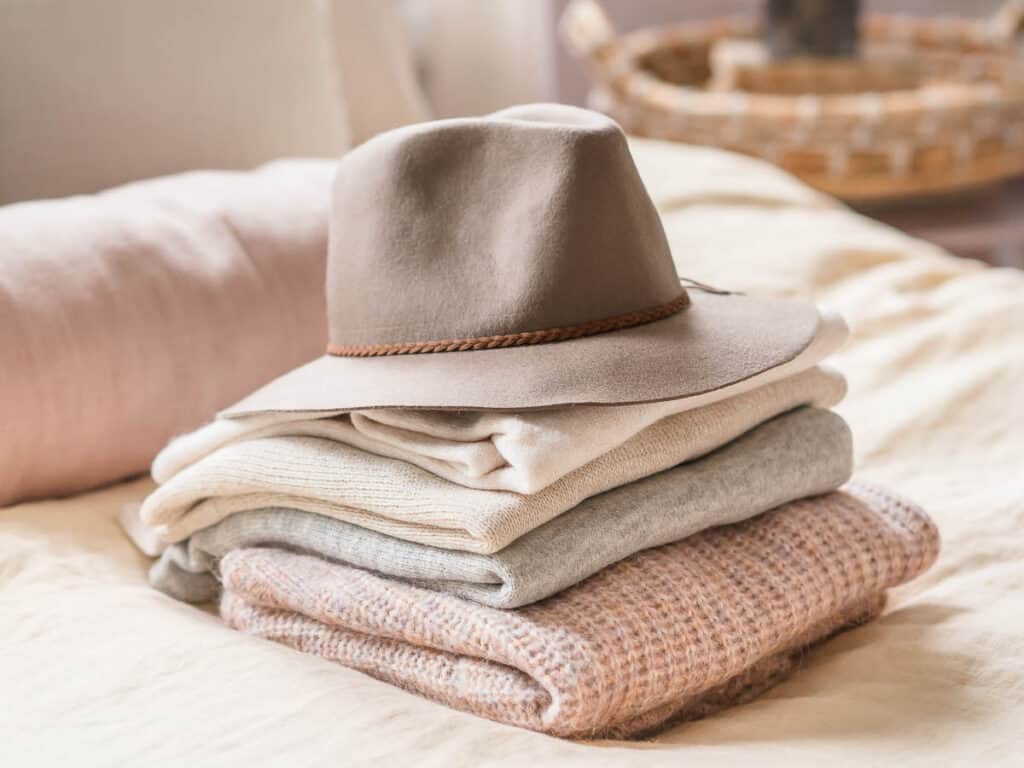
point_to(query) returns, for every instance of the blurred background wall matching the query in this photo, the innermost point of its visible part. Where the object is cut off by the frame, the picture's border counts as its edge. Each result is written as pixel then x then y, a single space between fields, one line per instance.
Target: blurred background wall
pixel 94 93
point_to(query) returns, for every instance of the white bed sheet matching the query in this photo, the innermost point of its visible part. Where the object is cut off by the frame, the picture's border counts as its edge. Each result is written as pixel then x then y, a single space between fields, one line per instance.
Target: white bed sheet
pixel 98 669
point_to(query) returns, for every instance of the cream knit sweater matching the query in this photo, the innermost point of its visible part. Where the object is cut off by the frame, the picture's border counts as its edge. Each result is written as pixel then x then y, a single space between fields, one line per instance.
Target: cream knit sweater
pixel 322 475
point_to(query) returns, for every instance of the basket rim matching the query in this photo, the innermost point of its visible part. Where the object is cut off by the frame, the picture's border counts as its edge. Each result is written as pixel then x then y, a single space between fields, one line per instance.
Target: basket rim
pixel 627 49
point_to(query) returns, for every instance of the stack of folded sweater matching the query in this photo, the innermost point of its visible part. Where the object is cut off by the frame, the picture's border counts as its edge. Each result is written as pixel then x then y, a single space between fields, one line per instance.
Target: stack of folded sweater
pixel 562 569
pixel 534 477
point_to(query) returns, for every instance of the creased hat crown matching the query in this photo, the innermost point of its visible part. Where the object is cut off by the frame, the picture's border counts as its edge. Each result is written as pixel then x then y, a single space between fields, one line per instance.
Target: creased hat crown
pixel 530 219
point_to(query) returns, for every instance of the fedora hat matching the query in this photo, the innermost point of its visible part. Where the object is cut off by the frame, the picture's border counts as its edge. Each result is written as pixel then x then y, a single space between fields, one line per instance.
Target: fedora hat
pixel 515 261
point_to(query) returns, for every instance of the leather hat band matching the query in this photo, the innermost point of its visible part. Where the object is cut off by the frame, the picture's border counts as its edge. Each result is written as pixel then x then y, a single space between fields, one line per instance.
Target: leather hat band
pixel 544 336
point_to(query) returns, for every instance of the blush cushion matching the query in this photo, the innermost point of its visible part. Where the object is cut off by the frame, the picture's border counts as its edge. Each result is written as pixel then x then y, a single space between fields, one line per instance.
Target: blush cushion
pixel 132 315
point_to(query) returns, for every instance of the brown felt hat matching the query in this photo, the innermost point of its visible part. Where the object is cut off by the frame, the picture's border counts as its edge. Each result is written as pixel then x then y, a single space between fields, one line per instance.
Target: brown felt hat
pixel 516 261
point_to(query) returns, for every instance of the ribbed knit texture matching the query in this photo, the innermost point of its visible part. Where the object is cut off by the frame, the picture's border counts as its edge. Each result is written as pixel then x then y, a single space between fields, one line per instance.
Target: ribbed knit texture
pixel 801 453
pixel 322 475
pixel 675 631
pixel 521 451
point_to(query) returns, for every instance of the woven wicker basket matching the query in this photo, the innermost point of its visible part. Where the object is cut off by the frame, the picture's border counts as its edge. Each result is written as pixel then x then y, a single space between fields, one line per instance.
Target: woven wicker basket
pixel 932 105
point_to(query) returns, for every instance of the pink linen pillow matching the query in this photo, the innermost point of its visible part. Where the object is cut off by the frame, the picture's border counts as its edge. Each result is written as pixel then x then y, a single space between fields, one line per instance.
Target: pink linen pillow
pixel 135 314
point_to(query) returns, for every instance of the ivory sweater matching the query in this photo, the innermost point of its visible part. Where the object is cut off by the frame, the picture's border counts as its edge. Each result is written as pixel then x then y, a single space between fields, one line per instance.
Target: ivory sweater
pixel 323 475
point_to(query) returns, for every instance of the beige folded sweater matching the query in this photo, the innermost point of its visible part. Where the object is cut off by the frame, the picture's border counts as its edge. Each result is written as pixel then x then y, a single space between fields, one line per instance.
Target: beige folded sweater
pixel 805 452
pixel 519 451
pixel 317 473
pixel 673 632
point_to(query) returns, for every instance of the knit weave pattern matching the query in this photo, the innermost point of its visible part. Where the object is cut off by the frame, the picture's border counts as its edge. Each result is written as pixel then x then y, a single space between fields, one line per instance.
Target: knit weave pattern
pixel 672 632
pixel 314 472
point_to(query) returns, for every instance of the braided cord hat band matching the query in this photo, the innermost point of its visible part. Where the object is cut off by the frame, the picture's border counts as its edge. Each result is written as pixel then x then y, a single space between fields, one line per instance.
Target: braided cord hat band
pixel 524 338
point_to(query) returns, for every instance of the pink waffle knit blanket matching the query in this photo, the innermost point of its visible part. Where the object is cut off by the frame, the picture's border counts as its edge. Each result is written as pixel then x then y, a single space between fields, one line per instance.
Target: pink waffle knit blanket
pixel 669 633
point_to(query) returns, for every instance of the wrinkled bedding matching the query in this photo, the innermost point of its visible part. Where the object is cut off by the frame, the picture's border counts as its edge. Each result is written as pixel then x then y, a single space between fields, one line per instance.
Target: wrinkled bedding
pixel 96 668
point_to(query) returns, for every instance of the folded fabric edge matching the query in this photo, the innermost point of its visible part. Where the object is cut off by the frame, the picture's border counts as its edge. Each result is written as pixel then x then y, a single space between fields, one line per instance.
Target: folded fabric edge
pixel 915 514
pixel 147 538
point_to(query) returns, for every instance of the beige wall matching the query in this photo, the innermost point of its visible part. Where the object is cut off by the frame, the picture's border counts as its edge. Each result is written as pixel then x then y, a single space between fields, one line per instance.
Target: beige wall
pixel 94 93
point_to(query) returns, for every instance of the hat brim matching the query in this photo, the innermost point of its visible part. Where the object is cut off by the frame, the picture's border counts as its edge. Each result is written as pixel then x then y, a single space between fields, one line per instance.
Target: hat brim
pixel 719 342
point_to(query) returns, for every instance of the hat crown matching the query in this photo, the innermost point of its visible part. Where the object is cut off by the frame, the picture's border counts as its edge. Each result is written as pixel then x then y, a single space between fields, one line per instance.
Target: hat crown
pixel 529 219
